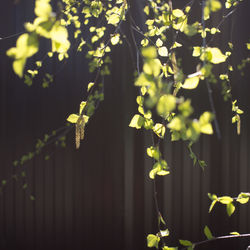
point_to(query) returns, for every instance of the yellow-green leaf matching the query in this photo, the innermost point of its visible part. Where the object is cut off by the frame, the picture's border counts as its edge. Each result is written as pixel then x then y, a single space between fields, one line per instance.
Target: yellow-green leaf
pixel 242 198
pixel 225 199
pixel 82 105
pixel 137 122
pixel 73 118
pixel 205 123
pixel 18 66
pixel 230 209
pixel 159 129
pixel 234 233
pixel 163 51
pixel 166 104
pixel 185 243
pixel 114 19
pixel 178 13
pixel 217 56
pixel 208 233
pixel 149 52
pixel 212 205
pixel 153 240
pixel 175 124
pixel 191 83
pixel 90 85
pixel 115 39
pixel 43 9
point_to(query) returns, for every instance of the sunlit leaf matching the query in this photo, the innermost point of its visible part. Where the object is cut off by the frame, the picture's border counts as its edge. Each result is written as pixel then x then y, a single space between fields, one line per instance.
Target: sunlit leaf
pixel 163 51
pixel 191 83
pixel 205 123
pixel 153 240
pixel 216 56
pixel 175 124
pixel 208 233
pixel 115 39
pixel 234 233
pixel 82 105
pixel 149 52
pixel 230 209
pixel 114 19
pixel 225 199
pixel 166 104
pixel 159 129
pixel 178 13
pixel 137 122
pixel 159 42
pixel 43 9
pixel 242 198
pixel 90 85
pixel 18 66
pixel 164 233
pixel 212 205
pixel 154 153
pixel 186 243
pixel 73 118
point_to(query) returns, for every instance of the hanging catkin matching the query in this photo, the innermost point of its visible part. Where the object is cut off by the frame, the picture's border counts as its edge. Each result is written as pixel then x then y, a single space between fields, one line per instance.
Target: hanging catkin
pixel 77 134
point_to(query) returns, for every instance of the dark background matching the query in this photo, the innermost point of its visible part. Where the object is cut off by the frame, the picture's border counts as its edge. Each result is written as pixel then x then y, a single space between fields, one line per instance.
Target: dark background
pixel 100 196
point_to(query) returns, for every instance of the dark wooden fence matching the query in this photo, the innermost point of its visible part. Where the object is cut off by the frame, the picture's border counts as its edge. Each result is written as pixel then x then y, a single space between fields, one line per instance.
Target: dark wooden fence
pixel 100 197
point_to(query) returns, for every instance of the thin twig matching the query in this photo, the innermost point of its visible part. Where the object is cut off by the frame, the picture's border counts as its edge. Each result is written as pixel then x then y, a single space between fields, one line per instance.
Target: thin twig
pixel 209 89
pixel 218 238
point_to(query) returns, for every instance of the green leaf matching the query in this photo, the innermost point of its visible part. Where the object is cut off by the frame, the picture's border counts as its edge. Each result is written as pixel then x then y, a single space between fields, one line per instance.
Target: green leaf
pixel 159 129
pixel 18 66
pixel 242 199
pixel 190 30
pixel 153 240
pixel 82 105
pixel 214 55
pixel 234 233
pixel 90 85
pixel 165 105
pixel 212 205
pixel 115 39
pixel 143 80
pixel 137 122
pixel 43 9
pixel 114 19
pixel 164 233
pixel 178 13
pixel 159 42
pixel 73 118
pixel 163 51
pixel 186 108
pixel 169 248
pixel 205 125
pixel 230 209
pixel 186 243
pixel 176 124
pixel 191 83
pixel 208 233
pixel 149 52
pixel 139 100
pixel 214 5
pixel 152 67
pixel 225 199
pixel 159 168
pixel 154 153
pixel 196 51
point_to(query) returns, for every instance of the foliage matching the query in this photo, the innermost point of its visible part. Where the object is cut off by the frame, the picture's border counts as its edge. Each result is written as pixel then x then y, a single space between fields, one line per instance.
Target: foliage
pixel 163 80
